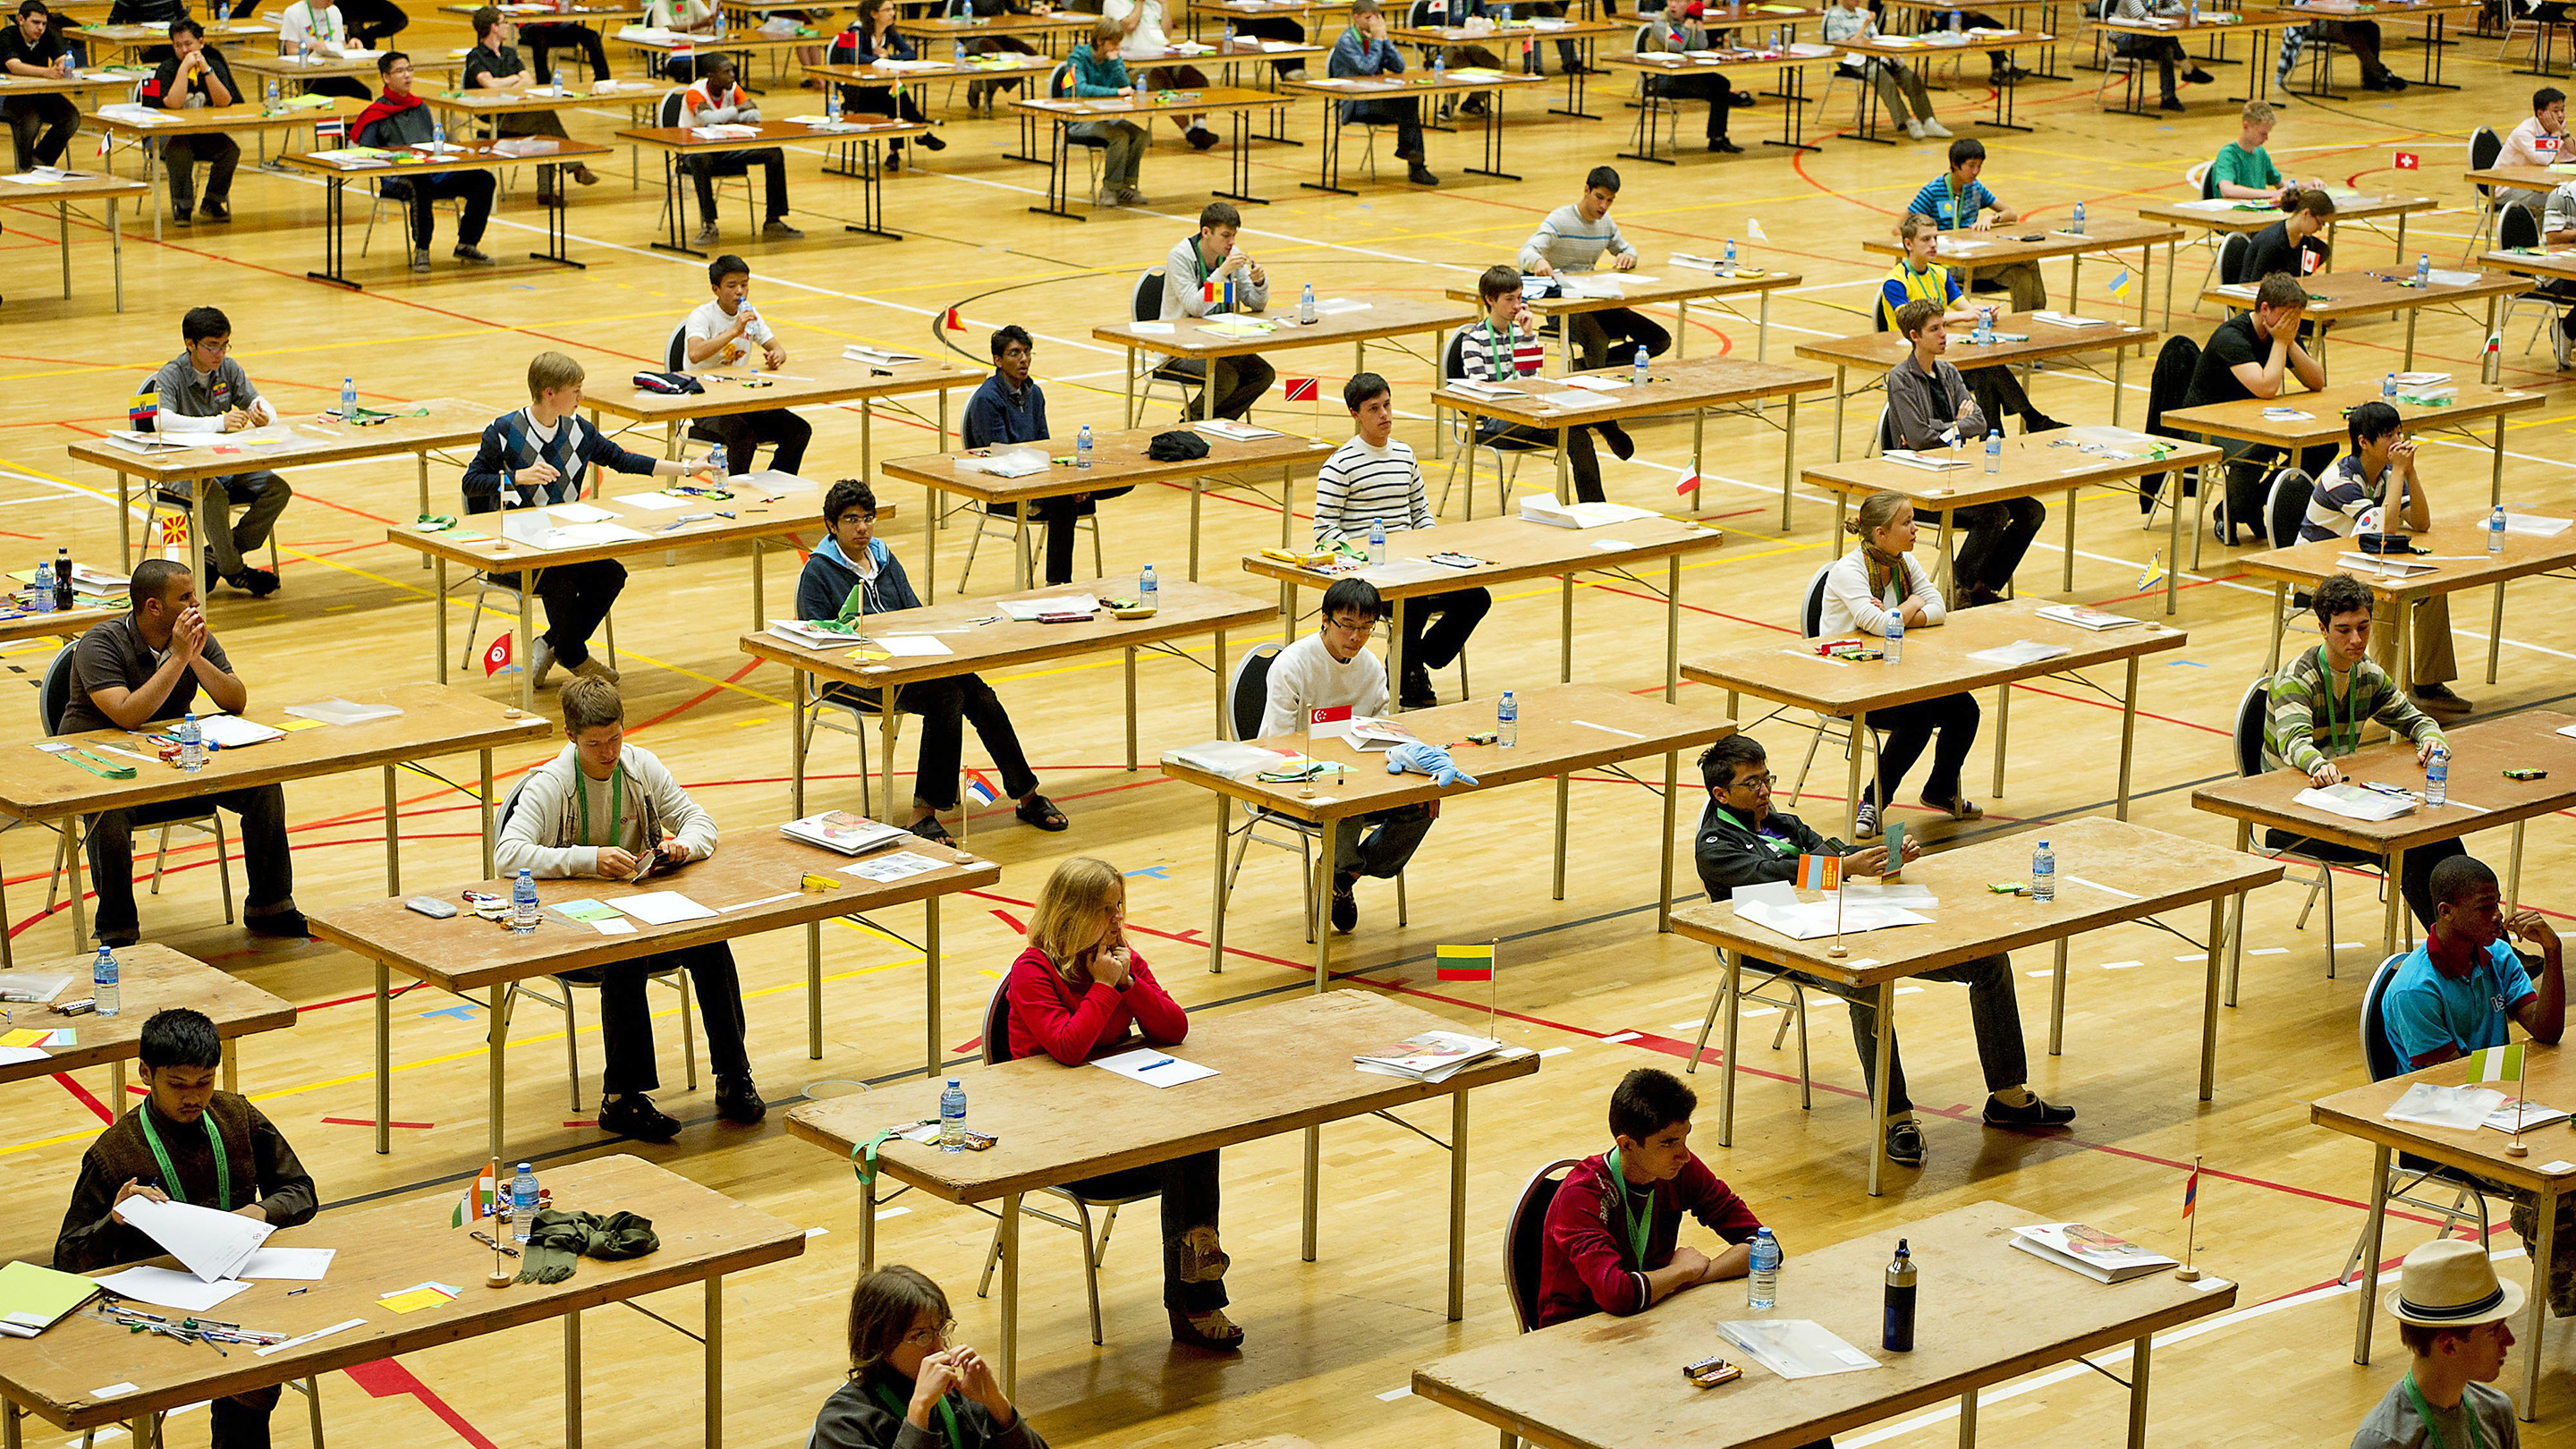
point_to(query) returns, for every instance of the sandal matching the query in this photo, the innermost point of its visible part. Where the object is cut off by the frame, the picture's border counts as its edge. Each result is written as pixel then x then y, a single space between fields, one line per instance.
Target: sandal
pixel 929 828
pixel 1210 1330
pixel 1040 811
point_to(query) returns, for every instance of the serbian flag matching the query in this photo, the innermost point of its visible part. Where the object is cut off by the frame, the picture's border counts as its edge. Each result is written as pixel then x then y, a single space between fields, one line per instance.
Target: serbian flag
pixel 952 322
pixel 1300 389
pixel 496 658
pixel 1465 963
pixel 2407 161
pixel 480 1201
pixel 981 788
pixel 2496 1064
pixel 1820 872
pixel 2191 1190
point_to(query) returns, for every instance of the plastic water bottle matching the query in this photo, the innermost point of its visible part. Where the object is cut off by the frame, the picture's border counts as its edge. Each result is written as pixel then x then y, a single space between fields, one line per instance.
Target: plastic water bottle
pixel 720 463
pixel 1229 35
pixel 1896 635
pixel 2423 269
pixel 1439 66
pixel 437 133
pixel 2437 777
pixel 192 743
pixel 2043 873
pixel 272 91
pixel 1762 1285
pixel 102 982
pixel 1641 364
pixel 348 399
pixel 1507 721
pixel 41 594
pixel 2077 226
pixel 961 52
pixel 1985 325
pixel 1377 541
pixel 952 1117
pixel 1994 451
pixel 2495 529
pixel 1730 254
pixel 1306 306
pixel 1955 23
pixel 1082 447
pixel 523 1201
pixel 1897 1336
pixel 1148 592
pixel 2388 389
pixel 523 904
pixel 63 574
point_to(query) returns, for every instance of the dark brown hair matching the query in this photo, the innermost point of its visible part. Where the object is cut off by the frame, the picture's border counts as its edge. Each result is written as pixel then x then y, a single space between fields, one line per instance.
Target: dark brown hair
pixel 883 1307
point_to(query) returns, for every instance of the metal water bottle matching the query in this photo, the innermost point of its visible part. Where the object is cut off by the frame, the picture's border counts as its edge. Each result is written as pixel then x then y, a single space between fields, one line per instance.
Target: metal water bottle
pixel 1897 1336
pixel 63 570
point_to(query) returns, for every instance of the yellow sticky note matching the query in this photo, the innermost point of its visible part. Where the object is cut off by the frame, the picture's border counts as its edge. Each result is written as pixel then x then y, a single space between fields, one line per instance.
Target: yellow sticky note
pixel 298 722
pixel 24 1037
pixel 412 1299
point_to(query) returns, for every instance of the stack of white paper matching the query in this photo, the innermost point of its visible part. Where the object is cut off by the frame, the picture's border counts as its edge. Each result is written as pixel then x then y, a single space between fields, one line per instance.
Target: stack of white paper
pixel 2464 1108
pixel 212 1245
pixel 1775 906
pixel 2354 802
pixel 1030 610
pixel 1011 463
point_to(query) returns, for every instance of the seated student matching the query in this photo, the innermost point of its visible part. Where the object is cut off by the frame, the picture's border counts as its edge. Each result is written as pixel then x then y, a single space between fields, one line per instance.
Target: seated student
pixel 910 1386
pixel 129 672
pixel 2243 170
pixel 196 75
pixel 687 17
pixel 1420 13
pixel 2464 990
pixel 1327 676
pixel 714 100
pixel 870 39
pixel 2165 50
pixel 540 455
pixel 1503 347
pixel 1081 990
pixel 1572 239
pixel 204 390
pixel 1876 579
pixel 1208 255
pixel 1611 1243
pixel 2295 243
pixel 2378 476
pixel 600 810
pixel 1146 47
pixel 2540 140
pixel 1011 408
pixel 400 118
pixel 2319 703
pixel 1362 49
pixel 373 21
pixel 851 574
pixel 318 29
pixel 1929 408
pixel 980 95
pixel 2254 355
pixel 1900 86
pixel 721 334
pixel 2361 37
pixel 1671 31
pixel 494 65
pixel 1744 839
pixel 1957 199
pixel 1916 277
pixel 1094 72
pixel 2455 1319
pixel 186 1143
pixel 150 12
pixel 544 37
pixel 41 125
pixel 1374 479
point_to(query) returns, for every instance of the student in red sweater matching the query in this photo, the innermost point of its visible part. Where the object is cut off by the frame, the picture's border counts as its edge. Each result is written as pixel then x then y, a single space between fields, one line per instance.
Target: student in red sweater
pixel 1080 991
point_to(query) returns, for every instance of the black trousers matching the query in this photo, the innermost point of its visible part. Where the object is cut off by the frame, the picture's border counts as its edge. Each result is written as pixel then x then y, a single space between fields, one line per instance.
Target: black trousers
pixel 339 85
pixel 241 1421
pixel 1992 1010
pixel 1709 88
pixel 773 177
pixel 2415 882
pixel 741 432
pixel 55 117
pixel 1237 384
pixel 892 101
pixel 425 192
pixel 262 809
pixel 1907 728
pixel 1381 843
pixel 1999 395
pixel 1404 116
pixel 179 158
pixel 541 39
pixel 577 597
pixel 1188 1186
pixel 1434 643
pixel 626 1018
pixel 370 21
pixel 1581 462
pixel 946 707
pixel 1997 535
pixel 1613 334
pixel 1058 515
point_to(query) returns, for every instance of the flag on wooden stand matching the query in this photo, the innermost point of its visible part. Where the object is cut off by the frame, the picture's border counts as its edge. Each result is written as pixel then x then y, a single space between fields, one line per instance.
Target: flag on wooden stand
pixel 2496 1064
pixel 1465 963
pixel 1820 872
pixel 496 658
pixel 2191 1190
pixel 1300 389
pixel 482 1199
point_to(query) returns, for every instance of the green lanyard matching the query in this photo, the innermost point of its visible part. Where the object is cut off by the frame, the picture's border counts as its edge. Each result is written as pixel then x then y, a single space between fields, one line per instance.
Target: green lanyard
pixel 2432 1431
pixel 170 1175
pixel 2351 717
pixel 1778 846
pixel 1638 1229
pixel 616 802
pixel 1495 353
pixel 947 1415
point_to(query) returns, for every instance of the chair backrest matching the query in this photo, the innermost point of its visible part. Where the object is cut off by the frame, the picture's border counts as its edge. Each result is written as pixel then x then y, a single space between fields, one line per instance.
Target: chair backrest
pixel 667 113
pixel 1523 1238
pixel 2285 506
pixel 2167 387
pixel 1811 606
pixel 1249 695
pixel 2209 182
pixel 1057 87
pixel 2233 256
pixel 2251 712
pixel 2517 227
pixel 2484 147
pixel 675 355
pixel 1453 357
pixel 1883 437
pixel 510 804
pixel 54 696
pixel 2377 1051
pixel 997 1024
pixel 1148 303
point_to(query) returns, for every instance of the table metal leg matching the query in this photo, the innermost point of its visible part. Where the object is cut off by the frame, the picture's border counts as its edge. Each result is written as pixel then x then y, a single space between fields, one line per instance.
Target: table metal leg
pixel 885 756
pixel 2173 528
pixel 527 641
pixel 1130 652
pixel 384 1059
pixel 1457 1206
pixel 1198 491
pixel 1563 785
pixel 63 243
pixel 1672 628
pixel 1878 1084
pixel 1968 1420
pixel 930 956
pixel 2003 731
pixel 2495 477
pixel 1216 657
pixel 715 1362
pixel 1565 627
pixel 2513 871
pixel 2057 1003
pixel 2138 1364
pixel 2396 900
pixel 393 838
pixel 572 1379
pixel 1733 966
pixel 2236 937
pixel 1313 1191
pixel 497 1048
pixel 1010 1294
pixel 1323 903
pixel 2128 732
pixel 1788 452
pixel 1664 892
pixel 2495 632
pixel 1216 907
pixel 814 991
pixel 2371 1228
pixel 75 832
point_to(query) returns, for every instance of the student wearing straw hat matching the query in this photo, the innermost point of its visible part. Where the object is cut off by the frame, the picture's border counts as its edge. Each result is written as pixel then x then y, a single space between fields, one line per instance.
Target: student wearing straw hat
pixel 2452 1314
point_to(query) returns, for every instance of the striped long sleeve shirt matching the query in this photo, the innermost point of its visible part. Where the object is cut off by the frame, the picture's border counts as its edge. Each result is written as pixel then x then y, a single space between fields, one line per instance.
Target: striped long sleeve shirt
pixel 1571 244
pixel 1360 483
pixel 2307 723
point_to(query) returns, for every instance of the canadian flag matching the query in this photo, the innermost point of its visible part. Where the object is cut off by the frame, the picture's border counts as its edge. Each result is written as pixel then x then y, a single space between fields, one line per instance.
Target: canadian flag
pixel 2408 161
pixel 496 658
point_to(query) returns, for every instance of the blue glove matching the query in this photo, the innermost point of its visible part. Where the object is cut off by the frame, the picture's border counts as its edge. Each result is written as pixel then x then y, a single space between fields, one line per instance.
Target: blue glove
pixel 1427 760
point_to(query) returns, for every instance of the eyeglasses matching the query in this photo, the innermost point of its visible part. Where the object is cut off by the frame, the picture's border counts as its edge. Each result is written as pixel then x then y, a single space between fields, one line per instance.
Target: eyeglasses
pixel 215 345
pixel 1766 782
pixel 858 516
pixel 929 1338
pixel 1349 629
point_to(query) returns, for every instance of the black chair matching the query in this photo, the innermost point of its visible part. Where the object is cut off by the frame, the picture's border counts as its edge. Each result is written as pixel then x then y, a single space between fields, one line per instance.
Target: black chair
pixel 2234 255
pixel 719 165
pixel 2285 508
pixel 2517 227
pixel 1247 698
pixel 1463 434
pixel 2484 147
pixel 1058 87
pixel 53 698
pixel 2409 1174
pixel 2168 387
pixel 1524 1238
pixel 1188 379
pixel 2251 713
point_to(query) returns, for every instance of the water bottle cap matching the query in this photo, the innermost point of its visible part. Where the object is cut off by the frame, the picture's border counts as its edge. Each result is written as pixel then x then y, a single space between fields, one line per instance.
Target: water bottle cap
pixel 952 1081
pixel 2043 845
pixel 523 1167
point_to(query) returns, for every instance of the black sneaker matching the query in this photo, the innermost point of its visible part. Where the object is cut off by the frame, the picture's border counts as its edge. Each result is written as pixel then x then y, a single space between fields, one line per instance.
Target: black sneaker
pixel 181 215
pixel 1418 693
pixel 1201 138
pixel 635 1116
pixel 2037 1114
pixel 217 211
pixel 1905 1143
pixel 933 141
pixel 1420 175
pixel 1346 907
pixel 737 1100
pixel 258 583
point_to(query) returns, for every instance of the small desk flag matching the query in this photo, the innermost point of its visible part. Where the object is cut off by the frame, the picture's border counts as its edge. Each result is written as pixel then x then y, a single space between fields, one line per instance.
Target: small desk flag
pixel 2408 161
pixel 496 658
pixel 2191 1190
pixel 2122 284
pixel 1300 389
pixel 1465 963
pixel 2496 1064
pixel 1820 872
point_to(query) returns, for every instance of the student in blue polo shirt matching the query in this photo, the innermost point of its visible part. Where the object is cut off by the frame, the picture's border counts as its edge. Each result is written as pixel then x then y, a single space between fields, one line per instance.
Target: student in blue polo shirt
pixel 1010 408
pixel 1957 199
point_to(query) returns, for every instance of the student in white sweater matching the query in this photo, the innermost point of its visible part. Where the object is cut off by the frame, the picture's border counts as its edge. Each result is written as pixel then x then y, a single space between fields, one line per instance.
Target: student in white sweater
pixel 601 809
pixel 1861 592
pixel 1373 478
pixel 1326 678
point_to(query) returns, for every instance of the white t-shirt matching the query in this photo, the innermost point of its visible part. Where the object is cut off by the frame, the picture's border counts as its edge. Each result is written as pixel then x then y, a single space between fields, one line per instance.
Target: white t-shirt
pixel 709 322
pixel 1146 41
pixel 1305 676
pixel 301 19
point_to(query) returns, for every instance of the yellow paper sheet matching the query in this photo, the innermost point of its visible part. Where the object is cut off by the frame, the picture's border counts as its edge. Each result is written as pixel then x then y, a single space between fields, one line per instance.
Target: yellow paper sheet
pixel 413 1299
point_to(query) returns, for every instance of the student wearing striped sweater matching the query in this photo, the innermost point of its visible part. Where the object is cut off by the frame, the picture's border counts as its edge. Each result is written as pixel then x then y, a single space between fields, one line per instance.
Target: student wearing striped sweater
pixel 1572 239
pixel 1502 348
pixel 2319 703
pixel 1373 478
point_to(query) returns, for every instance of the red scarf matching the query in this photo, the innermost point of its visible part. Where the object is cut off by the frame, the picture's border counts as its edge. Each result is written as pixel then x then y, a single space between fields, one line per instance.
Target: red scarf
pixel 384 107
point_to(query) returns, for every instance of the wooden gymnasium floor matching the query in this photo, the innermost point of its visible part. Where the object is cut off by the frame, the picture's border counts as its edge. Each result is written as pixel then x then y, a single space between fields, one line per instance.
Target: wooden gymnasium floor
pixel 1328 1342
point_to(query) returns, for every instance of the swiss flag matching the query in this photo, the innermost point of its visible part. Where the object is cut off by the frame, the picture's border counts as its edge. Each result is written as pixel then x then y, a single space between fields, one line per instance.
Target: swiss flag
pixel 496 658
pixel 2407 161
pixel 1300 389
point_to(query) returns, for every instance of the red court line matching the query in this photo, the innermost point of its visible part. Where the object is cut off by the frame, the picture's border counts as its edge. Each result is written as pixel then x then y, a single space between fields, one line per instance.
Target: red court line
pixel 86 1099
pixel 370 1122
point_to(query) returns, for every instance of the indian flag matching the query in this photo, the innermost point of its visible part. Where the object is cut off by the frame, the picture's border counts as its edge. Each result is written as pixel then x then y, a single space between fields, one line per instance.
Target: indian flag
pixel 1465 963
pixel 1820 872
pixel 2496 1064
pixel 480 1201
